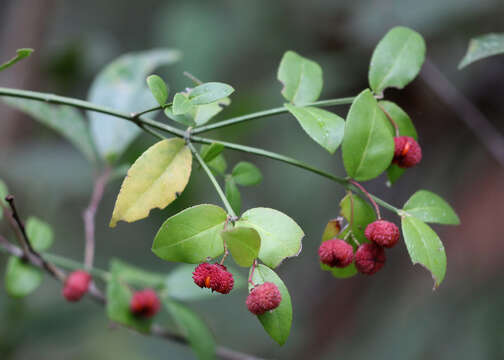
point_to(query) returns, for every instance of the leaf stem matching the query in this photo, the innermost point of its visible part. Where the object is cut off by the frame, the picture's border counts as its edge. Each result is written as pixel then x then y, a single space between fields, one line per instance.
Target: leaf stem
pixel 156 108
pixel 363 190
pixel 269 112
pixel 392 121
pixel 254 265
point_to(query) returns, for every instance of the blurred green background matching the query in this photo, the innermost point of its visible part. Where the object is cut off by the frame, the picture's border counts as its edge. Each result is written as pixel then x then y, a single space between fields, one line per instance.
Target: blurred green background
pixel 393 315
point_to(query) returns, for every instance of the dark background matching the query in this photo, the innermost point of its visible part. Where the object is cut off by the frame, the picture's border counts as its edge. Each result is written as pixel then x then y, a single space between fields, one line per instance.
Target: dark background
pixel 393 315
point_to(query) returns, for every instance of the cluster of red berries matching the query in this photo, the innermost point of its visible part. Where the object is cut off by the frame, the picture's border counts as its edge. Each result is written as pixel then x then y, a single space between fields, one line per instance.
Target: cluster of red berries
pixel 144 303
pixel 369 257
pixel 262 298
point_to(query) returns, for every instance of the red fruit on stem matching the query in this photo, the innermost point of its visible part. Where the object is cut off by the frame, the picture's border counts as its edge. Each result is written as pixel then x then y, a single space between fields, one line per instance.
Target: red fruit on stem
pixel 336 253
pixel 263 298
pixel 76 285
pixel 369 258
pixel 213 276
pixel 383 233
pixel 407 152
pixel 145 303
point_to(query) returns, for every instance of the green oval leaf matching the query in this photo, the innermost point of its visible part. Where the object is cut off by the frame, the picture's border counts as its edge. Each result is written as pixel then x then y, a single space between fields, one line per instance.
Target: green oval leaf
pixel 40 234
pixel 121 86
pixel 158 89
pixel 218 165
pixel 181 104
pixel 210 152
pixel 193 328
pixel 192 235
pixel 243 244
pixel 301 78
pixel 209 92
pixel 198 115
pixel 156 178
pixel 280 235
pixel 277 322
pixel 397 59
pixel 324 127
pixel 246 174
pixel 368 145
pixel 20 55
pixel 429 207
pixel 363 215
pixel 233 194
pixel 424 247
pixel 21 279
pixel 482 47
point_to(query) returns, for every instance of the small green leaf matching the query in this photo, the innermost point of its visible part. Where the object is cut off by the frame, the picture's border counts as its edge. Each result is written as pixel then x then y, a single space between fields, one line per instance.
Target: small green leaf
pixel 192 235
pixel 482 47
pixel 277 322
pixel 280 235
pixel 156 179
pixel 397 59
pixel 424 247
pixel 301 78
pixel 158 88
pixel 233 194
pixel 243 244
pixel 181 104
pixel 119 296
pixel 217 165
pixel 332 229
pixel 209 92
pixel 199 114
pixel 133 275
pixel 20 55
pixel 65 120
pixel 324 127
pixel 39 233
pixel 194 329
pixel 246 174
pixel 368 145
pixel 121 86
pixel 429 207
pixel 21 279
pixel 209 153
pixel 3 193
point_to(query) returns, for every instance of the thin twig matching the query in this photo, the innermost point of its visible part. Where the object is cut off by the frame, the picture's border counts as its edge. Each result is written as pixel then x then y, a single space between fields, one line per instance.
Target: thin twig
pixel 371 199
pixel 254 265
pixel 89 216
pixel 392 121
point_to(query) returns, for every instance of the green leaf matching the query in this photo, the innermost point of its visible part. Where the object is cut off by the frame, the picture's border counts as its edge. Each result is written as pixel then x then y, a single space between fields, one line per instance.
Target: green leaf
pixel 482 47
pixel 136 276
pixel 192 235
pixel 332 229
pixel 243 244
pixel 158 89
pixel 3 193
pixel 324 127
pixel 209 153
pixel 233 194
pixel 21 279
pixel 180 286
pixel 217 165
pixel 209 92
pixel 301 78
pixel 65 120
pixel 429 207
pixel 406 128
pixel 156 179
pixel 424 247
pixel 119 296
pixel 368 145
pixel 121 86
pixel 199 114
pixel 20 55
pixel 246 174
pixel 397 59
pixel 40 234
pixel 280 235
pixel 194 329
pixel 181 104
pixel 277 322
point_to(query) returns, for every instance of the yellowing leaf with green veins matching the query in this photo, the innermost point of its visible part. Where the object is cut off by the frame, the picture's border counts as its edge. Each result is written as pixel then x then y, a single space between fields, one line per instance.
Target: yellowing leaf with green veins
pixel 153 181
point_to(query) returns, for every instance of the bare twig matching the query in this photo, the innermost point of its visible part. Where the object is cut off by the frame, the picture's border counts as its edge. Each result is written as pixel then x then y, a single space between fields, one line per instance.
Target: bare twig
pixel 89 216
pixel 486 133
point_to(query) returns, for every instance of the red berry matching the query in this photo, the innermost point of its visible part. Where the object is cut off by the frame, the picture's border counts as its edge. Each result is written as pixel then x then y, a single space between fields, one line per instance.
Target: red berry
pixel 336 253
pixel 407 152
pixel 369 258
pixel 145 303
pixel 262 298
pixel 213 276
pixel 383 233
pixel 76 285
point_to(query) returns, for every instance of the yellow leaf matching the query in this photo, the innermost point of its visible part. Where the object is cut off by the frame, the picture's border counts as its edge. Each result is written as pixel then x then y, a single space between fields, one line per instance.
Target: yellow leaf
pixel 156 178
